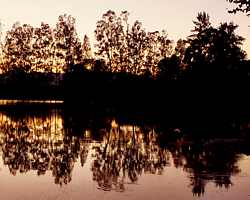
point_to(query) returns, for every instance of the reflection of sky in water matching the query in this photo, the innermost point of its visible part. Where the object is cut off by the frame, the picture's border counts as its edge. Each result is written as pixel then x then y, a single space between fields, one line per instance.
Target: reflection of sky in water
pixel 126 162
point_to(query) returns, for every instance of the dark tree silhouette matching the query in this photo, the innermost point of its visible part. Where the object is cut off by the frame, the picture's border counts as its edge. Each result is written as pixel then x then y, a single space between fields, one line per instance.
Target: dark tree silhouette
pixel 68 46
pixel 169 68
pixel 43 49
pixel 112 37
pixel 129 49
pixel 173 67
pixel 86 48
pixel 158 47
pixel 199 41
pixel 225 51
pixel 137 47
pixel 180 49
pixel 213 51
pixel 18 51
pixel 125 53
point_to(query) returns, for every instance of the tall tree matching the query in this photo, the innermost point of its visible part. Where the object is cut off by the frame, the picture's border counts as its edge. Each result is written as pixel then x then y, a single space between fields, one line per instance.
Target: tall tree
pixel 87 55
pixel 200 40
pixel 213 50
pixel 137 48
pixel 125 62
pixel 152 52
pixel 197 54
pixel 110 40
pixel 43 48
pixel 158 47
pixel 86 48
pixel 67 44
pixel 225 49
pixel 123 47
pixel 18 51
pixel 173 67
pixel 129 48
pixel 180 50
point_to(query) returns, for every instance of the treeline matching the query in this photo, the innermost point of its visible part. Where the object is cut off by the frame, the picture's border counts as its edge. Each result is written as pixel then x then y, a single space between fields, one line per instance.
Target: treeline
pixel 208 52
pixel 43 49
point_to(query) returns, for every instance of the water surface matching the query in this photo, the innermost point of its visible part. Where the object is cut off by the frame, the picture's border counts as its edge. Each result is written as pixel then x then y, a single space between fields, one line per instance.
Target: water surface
pixel 45 154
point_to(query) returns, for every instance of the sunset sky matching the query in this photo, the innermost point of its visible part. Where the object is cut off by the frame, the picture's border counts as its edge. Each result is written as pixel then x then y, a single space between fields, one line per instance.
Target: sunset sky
pixel 174 16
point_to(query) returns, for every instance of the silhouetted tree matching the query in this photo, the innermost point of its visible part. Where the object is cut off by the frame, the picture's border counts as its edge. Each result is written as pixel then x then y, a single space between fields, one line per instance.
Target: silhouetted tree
pixel 213 51
pixel 110 36
pixel 169 68
pixel 43 49
pixel 225 52
pixel 86 48
pixel 129 49
pixel 18 50
pixel 172 67
pixel 137 46
pixel 180 50
pixel 199 41
pixel 158 47
pixel 68 47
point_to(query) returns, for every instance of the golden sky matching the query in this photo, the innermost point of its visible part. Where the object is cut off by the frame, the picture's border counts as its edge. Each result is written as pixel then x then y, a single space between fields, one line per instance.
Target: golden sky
pixel 173 15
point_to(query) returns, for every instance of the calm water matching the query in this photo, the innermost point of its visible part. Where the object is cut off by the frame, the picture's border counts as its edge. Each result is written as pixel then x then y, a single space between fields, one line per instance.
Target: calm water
pixel 46 154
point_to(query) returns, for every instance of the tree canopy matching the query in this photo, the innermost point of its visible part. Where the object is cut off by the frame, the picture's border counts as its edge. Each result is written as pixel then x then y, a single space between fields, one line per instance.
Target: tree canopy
pixel 213 50
pixel 44 48
pixel 122 46
pixel 128 48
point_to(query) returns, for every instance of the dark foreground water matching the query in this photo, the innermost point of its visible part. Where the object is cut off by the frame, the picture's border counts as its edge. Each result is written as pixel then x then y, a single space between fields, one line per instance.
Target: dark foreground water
pixel 45 154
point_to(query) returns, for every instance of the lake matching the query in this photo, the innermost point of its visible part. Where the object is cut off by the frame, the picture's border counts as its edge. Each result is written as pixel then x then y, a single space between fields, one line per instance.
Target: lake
pixel 49 154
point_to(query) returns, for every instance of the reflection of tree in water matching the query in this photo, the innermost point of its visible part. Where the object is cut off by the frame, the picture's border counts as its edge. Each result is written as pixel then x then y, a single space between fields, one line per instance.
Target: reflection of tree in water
pixel 214 162
pixel 124 154
pixel 40 144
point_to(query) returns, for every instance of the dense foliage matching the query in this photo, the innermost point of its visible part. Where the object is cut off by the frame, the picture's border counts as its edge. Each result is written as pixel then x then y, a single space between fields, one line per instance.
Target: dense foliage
pixel 123 48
